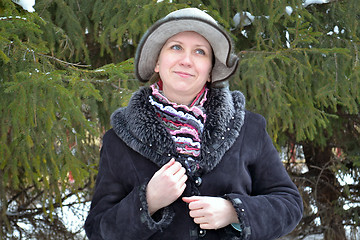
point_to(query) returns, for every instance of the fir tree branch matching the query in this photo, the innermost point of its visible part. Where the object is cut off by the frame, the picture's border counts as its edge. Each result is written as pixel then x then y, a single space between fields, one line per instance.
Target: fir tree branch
pixel 356 55
pixel 11 18
pixel 30 212
pixel 63 62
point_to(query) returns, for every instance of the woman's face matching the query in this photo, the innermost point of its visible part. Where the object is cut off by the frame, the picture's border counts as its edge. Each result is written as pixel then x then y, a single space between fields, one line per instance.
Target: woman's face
pixel 184 66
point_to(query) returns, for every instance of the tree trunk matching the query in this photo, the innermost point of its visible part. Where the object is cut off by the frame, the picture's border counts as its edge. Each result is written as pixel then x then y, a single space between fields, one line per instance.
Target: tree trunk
pixel 325 189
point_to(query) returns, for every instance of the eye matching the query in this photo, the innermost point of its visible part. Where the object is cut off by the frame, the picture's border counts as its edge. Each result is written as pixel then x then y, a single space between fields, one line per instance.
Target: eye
pixel 200 51
pixel 176 47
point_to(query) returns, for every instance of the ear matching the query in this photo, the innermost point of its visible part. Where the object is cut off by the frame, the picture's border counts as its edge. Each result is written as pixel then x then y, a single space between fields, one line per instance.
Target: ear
pixel 156 69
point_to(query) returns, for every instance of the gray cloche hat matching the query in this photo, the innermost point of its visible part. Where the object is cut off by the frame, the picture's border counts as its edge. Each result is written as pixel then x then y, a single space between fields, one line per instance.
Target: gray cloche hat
pixel 187 19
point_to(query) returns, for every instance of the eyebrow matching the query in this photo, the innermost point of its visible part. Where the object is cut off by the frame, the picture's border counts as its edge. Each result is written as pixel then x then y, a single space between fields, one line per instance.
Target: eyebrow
pixel 177 41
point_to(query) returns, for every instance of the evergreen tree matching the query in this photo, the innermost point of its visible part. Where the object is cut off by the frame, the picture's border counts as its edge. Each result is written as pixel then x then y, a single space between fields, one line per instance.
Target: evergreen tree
pixel 50 116
pixel 67 66
pixel 301 71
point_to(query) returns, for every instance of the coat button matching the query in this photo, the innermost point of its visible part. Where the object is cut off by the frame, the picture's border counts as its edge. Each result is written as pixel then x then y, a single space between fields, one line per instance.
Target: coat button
pixel 198 181
pixel 202 233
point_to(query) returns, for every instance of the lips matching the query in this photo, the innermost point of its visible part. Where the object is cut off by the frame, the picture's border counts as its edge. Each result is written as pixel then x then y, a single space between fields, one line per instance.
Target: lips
pixel 183 74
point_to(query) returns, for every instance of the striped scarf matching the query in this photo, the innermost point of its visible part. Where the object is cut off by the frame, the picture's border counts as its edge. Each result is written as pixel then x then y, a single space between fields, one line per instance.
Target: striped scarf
pixel 184 123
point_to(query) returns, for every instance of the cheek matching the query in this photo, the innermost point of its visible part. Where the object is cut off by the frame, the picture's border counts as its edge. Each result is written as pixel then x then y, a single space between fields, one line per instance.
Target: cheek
pixel 207 72
pixel 207 69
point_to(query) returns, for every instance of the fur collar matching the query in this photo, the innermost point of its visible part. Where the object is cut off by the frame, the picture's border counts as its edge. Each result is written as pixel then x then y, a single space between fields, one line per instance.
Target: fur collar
pixel 144 133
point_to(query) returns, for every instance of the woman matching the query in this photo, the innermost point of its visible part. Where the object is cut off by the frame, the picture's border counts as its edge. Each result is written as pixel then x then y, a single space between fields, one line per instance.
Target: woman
pixel 185 160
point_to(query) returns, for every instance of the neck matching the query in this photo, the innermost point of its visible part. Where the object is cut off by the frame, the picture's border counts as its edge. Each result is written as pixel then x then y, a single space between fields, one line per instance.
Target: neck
pixel 181 99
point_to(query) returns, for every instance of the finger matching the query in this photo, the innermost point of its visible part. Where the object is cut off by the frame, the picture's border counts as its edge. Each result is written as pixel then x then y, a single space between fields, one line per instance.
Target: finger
pixel 168 165
pixel 182 188
pixel 200 220
pixel 206 226
pixel 183 179
pixel 195 203
pixel 196 213
pixel 189 199
pixel 174 168
pixel 180 174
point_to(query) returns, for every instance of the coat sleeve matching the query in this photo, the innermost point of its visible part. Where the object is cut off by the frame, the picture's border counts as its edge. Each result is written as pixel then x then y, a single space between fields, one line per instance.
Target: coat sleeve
pixel 274 206
pixel 119 208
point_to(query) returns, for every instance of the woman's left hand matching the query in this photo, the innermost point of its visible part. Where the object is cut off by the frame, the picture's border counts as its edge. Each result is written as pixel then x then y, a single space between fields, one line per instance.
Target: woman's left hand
pixel 211 212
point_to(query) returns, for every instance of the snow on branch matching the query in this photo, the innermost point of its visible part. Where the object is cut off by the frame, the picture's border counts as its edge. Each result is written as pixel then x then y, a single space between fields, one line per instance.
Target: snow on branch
pixel 246 19
pixel 309 2
pixel 26 4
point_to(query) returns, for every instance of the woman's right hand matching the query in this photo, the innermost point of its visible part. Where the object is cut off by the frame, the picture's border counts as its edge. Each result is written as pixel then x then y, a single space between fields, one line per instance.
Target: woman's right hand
pixel 167 185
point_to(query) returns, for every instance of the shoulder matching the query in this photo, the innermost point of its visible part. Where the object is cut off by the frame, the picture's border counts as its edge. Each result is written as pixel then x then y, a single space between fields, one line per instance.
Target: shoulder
pixel 109 135
pixel 254 125
pixel 254 118
pixel 110 138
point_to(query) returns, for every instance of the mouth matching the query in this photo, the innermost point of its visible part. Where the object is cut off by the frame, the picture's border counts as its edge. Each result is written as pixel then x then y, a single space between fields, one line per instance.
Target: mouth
pixel 183 74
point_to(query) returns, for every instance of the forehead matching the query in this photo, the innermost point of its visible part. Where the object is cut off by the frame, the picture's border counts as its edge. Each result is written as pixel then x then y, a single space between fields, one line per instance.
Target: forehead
pixel 191 37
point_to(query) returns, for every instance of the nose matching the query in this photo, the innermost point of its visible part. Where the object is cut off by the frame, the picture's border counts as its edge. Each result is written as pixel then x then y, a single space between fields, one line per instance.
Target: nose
pixel 186 59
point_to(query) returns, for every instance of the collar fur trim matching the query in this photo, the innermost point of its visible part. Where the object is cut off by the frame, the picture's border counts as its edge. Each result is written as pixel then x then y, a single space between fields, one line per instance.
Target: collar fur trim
pixel 138 126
